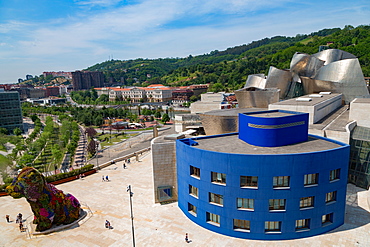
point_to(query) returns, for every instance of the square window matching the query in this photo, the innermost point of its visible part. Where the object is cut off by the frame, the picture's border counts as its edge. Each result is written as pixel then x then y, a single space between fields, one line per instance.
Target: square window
pixel 334 174
pixel 193 191
pixel 331 197
pixel 242 224
pixel 327 219
pixel 244 203
pixel 164 193
pixel 306 202
pixel 248 181
pixel 277 204
pixel 302 224
pixel 310 179
pixel 281 181
pixel 192 209
pixel 272 226
pixel 218 177
pixel 194 171
pixel 216 198
pixel 213 218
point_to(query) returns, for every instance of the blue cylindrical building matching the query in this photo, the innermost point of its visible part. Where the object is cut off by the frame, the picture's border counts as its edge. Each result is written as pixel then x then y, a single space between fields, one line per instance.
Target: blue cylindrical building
pixel 264 192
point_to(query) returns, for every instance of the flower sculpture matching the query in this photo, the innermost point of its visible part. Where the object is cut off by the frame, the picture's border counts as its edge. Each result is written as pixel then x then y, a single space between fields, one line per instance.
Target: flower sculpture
pixel 49 205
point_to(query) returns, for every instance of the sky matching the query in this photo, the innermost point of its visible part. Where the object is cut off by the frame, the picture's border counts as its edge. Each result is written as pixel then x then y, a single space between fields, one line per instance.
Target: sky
pixel 69 35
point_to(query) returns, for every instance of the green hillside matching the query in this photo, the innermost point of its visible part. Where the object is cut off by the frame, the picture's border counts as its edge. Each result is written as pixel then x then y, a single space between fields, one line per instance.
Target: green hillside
pixel 227 70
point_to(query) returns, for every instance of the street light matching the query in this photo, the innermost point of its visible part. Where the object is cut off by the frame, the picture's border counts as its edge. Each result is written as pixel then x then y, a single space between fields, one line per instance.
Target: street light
pixel 97 153
pixel 132 215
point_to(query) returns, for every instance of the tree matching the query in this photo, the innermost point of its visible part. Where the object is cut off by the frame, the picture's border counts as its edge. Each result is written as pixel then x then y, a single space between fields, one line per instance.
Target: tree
pixel 157 114
pixel 17 131
pixel 4 131
pixel 91 132
pixel 165 118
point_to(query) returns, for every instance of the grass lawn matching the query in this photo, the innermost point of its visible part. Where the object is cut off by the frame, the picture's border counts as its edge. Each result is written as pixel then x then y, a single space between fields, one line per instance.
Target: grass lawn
pixel 4 162
pixel 108 140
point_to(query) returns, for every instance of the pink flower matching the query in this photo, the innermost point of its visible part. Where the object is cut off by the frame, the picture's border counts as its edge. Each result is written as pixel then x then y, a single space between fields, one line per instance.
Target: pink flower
pixel 44 212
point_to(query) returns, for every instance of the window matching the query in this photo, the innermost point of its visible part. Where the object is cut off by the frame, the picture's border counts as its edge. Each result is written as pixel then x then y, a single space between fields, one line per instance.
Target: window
pixel 218 177
pixel 331 197
pixel 194 171
pixel 248 181
pixel 272 226
pixel 213 218
pixel 164 193
pixel 334 174
pixel 244 203
pixel 306 202
pixel 277 204
pixel 193 190
pixel 281 181
pixel 216 198
pixel 242 224
pixel 302 224
pixel 310 179
pixel 192 209
pixel 327 219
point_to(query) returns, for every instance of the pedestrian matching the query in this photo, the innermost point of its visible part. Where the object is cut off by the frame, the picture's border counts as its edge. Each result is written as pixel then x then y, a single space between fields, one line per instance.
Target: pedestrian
pixel 7 218
pixel 107 224
pixel 20 217
pixel 106 178
pixel 102 178
pixel 21 226
pixel 186 238
pixel 124 165
pixel 128 161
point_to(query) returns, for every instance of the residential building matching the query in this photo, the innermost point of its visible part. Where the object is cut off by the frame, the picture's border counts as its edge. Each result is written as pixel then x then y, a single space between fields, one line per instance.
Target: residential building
pixel 86 79
pixel 181 96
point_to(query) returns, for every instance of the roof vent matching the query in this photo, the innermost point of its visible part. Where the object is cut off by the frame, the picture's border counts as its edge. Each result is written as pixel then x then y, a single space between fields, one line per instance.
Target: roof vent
pixel 315 95
pixel 303 99
pixel 325 93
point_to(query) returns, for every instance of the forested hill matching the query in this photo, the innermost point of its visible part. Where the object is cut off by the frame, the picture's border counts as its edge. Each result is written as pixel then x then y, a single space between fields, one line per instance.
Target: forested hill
pixel 227 70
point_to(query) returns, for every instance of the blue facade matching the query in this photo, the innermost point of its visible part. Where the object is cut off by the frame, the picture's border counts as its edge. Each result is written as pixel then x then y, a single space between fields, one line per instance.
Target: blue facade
pixel 210 183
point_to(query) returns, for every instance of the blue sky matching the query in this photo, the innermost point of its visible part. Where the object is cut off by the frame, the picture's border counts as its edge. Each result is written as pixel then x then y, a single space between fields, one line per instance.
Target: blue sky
pixel 55 35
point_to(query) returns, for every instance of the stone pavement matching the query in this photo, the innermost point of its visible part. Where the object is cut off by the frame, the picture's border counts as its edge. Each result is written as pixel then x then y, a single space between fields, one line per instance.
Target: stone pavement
pixel 155 225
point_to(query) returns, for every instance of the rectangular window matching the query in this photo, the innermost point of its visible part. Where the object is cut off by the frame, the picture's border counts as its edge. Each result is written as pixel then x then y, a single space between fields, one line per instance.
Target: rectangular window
pixel 281 181
pixel 331 196
pixel 277 204
pixel 193 190
pixel 310 179
pixel 272 226
pixel 248 181
pixel 244 203
pixel 216 198
pixel 164 193
pixel 192 209
pixel 302 224
pixel 306 202
pixel 218 177
pixel 242 224
pixel 213 218
pixel 327 219
pixel 194 171
pixel 334 174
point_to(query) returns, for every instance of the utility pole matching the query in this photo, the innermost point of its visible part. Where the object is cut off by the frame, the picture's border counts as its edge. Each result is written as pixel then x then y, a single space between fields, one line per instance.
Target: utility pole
pixel 132 215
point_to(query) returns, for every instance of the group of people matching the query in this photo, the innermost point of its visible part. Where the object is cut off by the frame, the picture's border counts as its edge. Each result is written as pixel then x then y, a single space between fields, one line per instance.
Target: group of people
pixel 19 221
pixel 107 224
pixel 105 179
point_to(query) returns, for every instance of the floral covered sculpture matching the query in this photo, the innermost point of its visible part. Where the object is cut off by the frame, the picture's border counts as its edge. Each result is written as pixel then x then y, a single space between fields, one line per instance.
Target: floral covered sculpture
pixel 49 205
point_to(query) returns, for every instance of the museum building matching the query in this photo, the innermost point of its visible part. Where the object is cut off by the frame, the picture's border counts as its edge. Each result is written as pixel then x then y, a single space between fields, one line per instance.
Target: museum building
pixel 270 181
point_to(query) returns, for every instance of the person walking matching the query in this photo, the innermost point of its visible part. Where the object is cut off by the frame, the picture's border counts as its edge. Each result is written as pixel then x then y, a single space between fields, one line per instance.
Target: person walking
pixel 186 238
pixel 124 165
pixel 106 178
pixel 21 226
pixel 7 218
pixel 102 178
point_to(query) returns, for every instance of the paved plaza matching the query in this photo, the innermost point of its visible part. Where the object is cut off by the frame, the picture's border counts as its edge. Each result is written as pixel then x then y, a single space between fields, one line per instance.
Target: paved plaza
pixel 155 225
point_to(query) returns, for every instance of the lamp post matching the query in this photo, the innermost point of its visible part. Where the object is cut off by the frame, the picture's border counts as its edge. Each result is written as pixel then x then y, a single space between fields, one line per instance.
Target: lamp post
pixel 132 214
pixel 97 153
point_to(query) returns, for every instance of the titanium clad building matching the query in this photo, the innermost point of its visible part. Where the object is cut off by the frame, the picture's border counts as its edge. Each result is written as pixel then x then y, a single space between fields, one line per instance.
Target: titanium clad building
pixel 10 110
pixel 270 181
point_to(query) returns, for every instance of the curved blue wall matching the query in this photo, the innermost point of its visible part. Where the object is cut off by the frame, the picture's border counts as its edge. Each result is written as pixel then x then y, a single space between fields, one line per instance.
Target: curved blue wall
pixel 265 167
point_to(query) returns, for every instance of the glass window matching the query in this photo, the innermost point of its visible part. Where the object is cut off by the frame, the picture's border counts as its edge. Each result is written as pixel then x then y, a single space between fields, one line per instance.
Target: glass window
pixel 310 179
pixel 281 181
pixel 216 198
pixel 327 219
pixel 165 193
pixel 214 218
pixel 193 190
pixel 331 196
pixel 242 224
pixel 245 203
pixel 194 171
pixel 248 181
pixel 302 224
pixel 272 226
pixel 192 209
pixel 218 177
pixel 306 202
pixel 277 204
pixel 334 174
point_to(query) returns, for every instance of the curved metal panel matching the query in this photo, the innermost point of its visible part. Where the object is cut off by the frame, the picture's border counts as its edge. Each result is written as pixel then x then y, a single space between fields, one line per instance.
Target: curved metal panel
pixel 256 80
pixel 332 55
pixel 305 65
pixel 257 98
pixel 278 78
